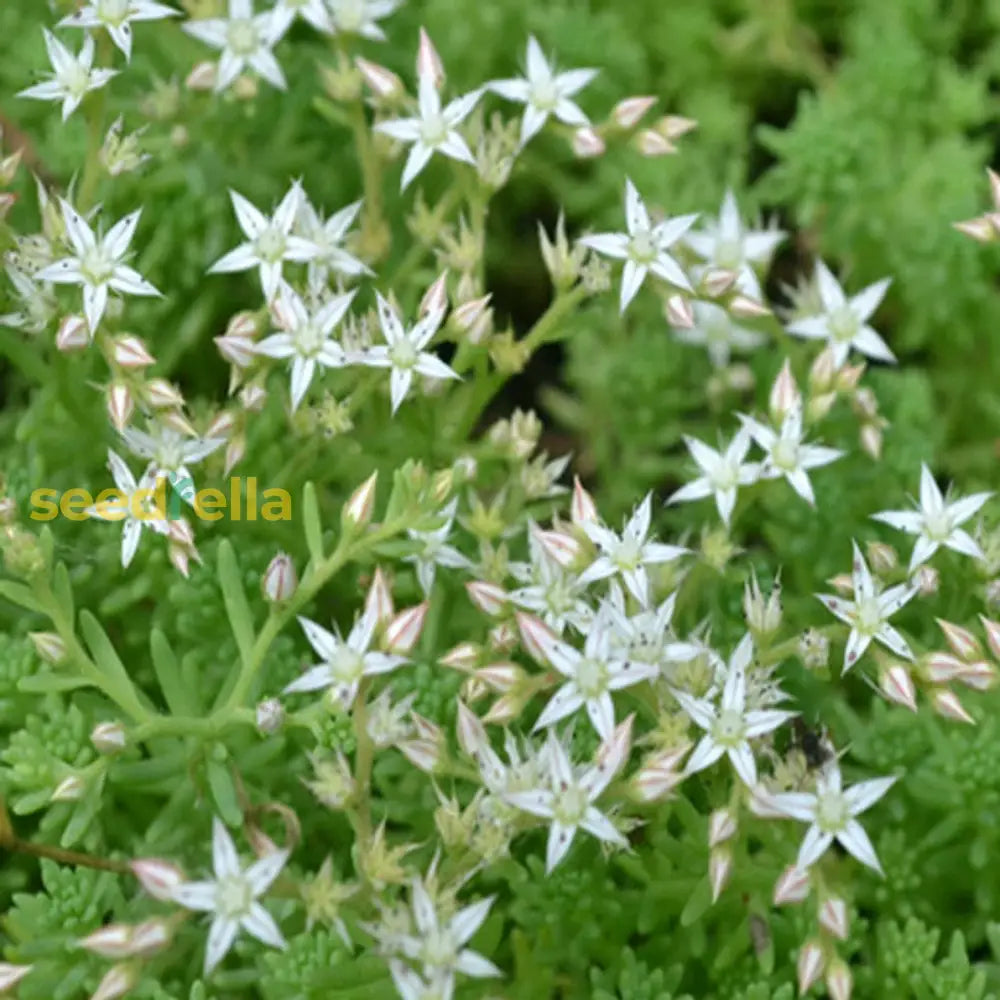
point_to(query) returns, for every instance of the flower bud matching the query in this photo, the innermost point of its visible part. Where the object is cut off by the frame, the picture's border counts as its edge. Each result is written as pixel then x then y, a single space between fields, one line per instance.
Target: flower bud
pixel 839 982
pixel 111 941
pixel 629 112
pixel 651 143
pixel 487 597
pixel 424 752
pixel 8 510
pixel 117 981
pixel 882 558
pixel 720 867
pixel 159 878
pixel 823 371
pixel 582 507
pixel 947 705
pixel 980 229
pixel 979 675
pixel 279 581
pixel 743 307
pixel 870 438
pixel 833 917
pixel 202 77
pixel 238 351
pixel 559 546
pixel 810 965
pixel 717 281
pixel 357 511
pixel 235 450
pixel 674 126
pixel 785 394
pixel 474 319
pixel 383 83
pixel 992 635
pixel 7 201
pixel 151 936
pixel 245 87
pixel 73 334
pixel 378 600
pixel 162 395
pixel 428 61
pixel 70 789
pixel 897 686
pixel 848 377
pixel 270 716
pixel 793 886
pixel 678 312
pixel 131 352
pixel 49 646
pixel 435 299
pixel 108 737
pixel 334 784
pixel 941 668
pixel 501 677
pixel 8 167
pixel 587 144
pixel 658 776
pixel 763 617
pixel 963 643
pixel 721 827
pixel 503 637
pixel 462 657
pixel 927 580
pixel 403 631
pixel 11 975
pixel 536 636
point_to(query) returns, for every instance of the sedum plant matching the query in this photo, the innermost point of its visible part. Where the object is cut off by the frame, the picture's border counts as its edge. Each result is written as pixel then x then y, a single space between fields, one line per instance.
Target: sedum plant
pixel 331 667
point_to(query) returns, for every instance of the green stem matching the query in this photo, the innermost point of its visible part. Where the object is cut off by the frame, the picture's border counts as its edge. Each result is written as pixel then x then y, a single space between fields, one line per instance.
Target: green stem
pixel 95 132
pixel 363 760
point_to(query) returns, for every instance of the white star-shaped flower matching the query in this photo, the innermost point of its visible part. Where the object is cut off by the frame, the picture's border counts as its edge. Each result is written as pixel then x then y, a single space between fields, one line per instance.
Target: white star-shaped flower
pixel 590 676
pixel 544 92
pixel 37 305
pixel 403 351
pixel 715 330
pixel 410 985
pixel 246 39
pixel 868 614
pixel 149 515
pixel 435 130
pixel 116 17
pixel 97 263
pixel 844 321
pixel 627 555
pixel 305 337
pixel 361 17
pixel 831 812
pixel 726 244
pixel 170 455
pixel 231 897
pixel 937 522
pixel 787 455
pixel 568 797
pixel 270 241
pixel 730 726
pixel 435 551
pixel 646 637
pixel 723 472
pixel 644 247
pixel 345 661
pixel 72 76
pixel 314 12
pixel 328 238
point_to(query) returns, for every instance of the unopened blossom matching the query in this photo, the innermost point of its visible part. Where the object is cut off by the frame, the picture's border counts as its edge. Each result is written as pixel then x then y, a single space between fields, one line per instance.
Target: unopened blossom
pixel 433 550
pixel 404 351
pixel 314 12
pixel 869 612
pixel 36 304
pixel 305 337
pixel 627 555
pixel 170 455
pixel 434 130
pixel 937 522
pixel 117 17
pixel 843 322
pixel 831 813
pixel 722 473
pixel 97 263
pixel 135 510
pixel 246 40
pixel 361 17
pixel 726 243
pixel 345 661
pixel 73 76
pixel 715 330
pixel 589 676
pixel 567 798
pixel 787 454
pixel 644 247
pixel 270 241
pixel 545 92
pixel 232 897
pixel 328 236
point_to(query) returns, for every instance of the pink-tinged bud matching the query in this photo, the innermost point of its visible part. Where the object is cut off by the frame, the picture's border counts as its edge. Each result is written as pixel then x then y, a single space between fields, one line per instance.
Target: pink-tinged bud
pixel 279 581
pixel 270 716
pixel 117 981
pixel 658 776
pixel 503 637
pixel 402 633
pixel 927 580
pixel 819 406
pixel 744 307
pixel 678 312
pixel 202 77
pixel 980 676
pixel 108 737
pixel 358 509
pixel 8 167
pixel 235 450
pixel 870 437
pixel 435 299
pixel 471 732
pixel 236 350
pixel 992 635
pixel 720 867
pixel 253 398
pixel 426 750
pixel 785 395
pixel 833 917
pixel 487 597
pixel 963 643
pixel 159 878
pixel 473 689
pixel 718 280
pixel 11 975
pixel 674 126
pixel 70 789
pixel 7 201
pixel 242 325
pixel 882 558
pixel 180 423
pixel 843 583
pixel 151 936
pixel 428 61
pixel 941 668
pixel 810 965
pixel 651 143
pixel 112 941
pixel 382 82
pixel 179 531
pixel 73 334
pixel 378 601
pixel 793 886
pixel 536 635
pixel 505 709
pixel 823 371
pixel 849 377
pixel 839 982
pixel 180 559
pixel 947 705
pixel 560 547
pixel 583 510
pixel 629 112
pixel 613 752
pixel 587 144
pixel 161 394
pixel 468 314
pixel 897 686
pixel 222 425
pixel 980 229
pixel 501 677
pixel 462 657
pixel 131 352
pixel 721 827
pixel 49 646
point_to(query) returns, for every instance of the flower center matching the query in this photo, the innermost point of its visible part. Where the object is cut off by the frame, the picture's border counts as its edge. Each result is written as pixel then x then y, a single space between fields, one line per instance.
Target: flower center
pixel 729 254
pixel 233 896
pixel 544 94
pixel 724 476
pixel 349 14
pixel 347 664
pixel 832 814
pixel 642 248
pixel 591 677
pixel 242 37
pixel 439 948
pixel 270 245
pixel 626 554
pixel 937 526
pixel 843 323
pixel 309 340
pixel 97 266
pixel 868 615
pixel 728 728
pixel 434 130
pixel 570 806
pixel 403 354
pixel 112 12
pixel 785 455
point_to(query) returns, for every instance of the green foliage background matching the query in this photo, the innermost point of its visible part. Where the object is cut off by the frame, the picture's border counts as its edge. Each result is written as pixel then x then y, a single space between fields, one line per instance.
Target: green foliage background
pixel 864 127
